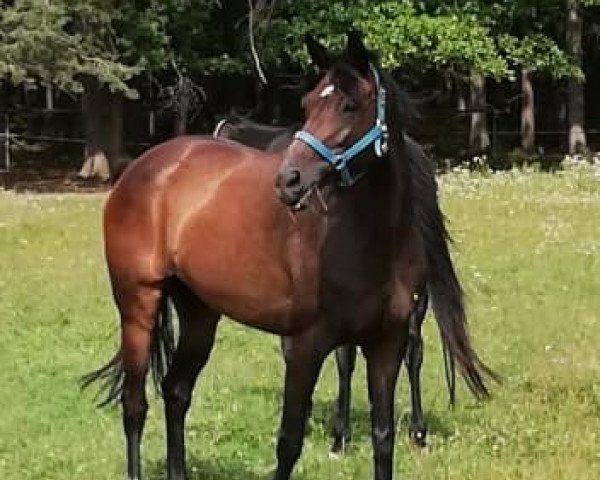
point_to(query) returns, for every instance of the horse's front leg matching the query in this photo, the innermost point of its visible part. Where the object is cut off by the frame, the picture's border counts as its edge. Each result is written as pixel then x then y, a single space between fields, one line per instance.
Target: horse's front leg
pixel 384 358
pixel 345 357
pixel 304 357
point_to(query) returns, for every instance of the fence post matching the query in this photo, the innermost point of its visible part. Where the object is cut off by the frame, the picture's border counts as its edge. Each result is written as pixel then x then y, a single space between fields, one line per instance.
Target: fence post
pixel 494 135
pixel 6 142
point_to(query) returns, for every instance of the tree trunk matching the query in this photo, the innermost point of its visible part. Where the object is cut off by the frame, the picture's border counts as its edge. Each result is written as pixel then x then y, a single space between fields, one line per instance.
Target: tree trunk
pixel 527 112
pixel 576 96
pixel 181 116
pixel 48 120
pixel 182 104
pixel 103 123
pixel 461 97
pixel 479 139
pixel 151 123
pixel 49 98
pixel 456 83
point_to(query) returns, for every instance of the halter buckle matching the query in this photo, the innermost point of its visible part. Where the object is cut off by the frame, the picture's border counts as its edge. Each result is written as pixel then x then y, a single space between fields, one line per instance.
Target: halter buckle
pixel 385 135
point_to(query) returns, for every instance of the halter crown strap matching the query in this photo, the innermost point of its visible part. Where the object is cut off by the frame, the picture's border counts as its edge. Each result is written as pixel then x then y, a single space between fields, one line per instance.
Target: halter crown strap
pixel 377 135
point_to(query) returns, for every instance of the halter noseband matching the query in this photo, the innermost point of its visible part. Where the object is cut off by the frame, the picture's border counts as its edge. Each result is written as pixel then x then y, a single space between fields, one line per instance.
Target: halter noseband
pixel 377 135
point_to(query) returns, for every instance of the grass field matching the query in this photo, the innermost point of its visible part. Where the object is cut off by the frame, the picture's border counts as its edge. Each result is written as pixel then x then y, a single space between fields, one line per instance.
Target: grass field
pixel 528 253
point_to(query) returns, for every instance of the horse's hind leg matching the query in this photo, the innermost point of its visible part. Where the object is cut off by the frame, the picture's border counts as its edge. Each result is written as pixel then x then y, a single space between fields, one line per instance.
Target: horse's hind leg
pixel 138 308
pixel 414 360
pixel 345 357
pixel 197 330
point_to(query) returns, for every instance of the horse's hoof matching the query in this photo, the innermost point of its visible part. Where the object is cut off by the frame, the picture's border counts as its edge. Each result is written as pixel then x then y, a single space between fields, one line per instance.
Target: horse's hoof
pixel 339 446
pixel 267 473
pixel 334 455
pixel 419 437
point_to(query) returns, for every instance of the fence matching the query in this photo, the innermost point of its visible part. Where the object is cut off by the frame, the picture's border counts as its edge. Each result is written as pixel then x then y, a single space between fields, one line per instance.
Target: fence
pixel 444 127
pixel 19 130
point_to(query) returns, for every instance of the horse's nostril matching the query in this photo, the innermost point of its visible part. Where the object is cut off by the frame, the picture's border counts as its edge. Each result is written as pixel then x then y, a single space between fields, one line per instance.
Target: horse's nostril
pixel 291 177
pixel 288 178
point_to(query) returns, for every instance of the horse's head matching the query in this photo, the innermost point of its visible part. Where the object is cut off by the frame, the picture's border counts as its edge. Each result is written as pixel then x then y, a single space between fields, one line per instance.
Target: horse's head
pixel 345 125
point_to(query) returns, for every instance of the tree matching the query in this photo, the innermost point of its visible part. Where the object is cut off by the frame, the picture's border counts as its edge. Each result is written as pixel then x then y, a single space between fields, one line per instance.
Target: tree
pixel 64 44
pixel 576 99
pixel 93 48
pixel 400 32
pixel 527 112
pixel 526 37
pixel 479 138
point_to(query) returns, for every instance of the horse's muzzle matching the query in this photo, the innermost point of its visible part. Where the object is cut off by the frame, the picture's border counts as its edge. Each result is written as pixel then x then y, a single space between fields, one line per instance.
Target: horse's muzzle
pixel 289 187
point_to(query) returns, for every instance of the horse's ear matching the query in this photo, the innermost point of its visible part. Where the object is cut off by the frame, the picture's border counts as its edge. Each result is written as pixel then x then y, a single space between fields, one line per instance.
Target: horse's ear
pixel 357 52
pixel 318 53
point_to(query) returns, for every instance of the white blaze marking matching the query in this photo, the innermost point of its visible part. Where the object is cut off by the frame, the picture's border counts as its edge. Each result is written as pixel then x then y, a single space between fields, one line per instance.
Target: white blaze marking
pixel 328 90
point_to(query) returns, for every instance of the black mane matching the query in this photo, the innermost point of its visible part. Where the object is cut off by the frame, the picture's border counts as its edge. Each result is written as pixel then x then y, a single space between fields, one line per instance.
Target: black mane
pixel 254 134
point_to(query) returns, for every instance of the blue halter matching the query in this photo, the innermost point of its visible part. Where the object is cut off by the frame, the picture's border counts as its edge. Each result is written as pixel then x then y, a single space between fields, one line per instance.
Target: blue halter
pixel 377 136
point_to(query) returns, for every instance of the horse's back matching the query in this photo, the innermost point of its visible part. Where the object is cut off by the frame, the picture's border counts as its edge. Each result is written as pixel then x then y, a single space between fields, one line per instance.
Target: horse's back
pixel 135 213
pixel 203 153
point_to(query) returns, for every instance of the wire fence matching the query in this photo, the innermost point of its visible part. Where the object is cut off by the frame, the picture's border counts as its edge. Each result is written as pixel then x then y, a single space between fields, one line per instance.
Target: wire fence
pixel 18 133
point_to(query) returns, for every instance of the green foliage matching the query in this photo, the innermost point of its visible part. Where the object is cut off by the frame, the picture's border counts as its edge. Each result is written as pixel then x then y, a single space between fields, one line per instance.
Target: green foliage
pixel 396 30
pixel 528 33
pixel 440 41
pixel 491 37
pixel 191 33
pixel 57 42
pixel 539 53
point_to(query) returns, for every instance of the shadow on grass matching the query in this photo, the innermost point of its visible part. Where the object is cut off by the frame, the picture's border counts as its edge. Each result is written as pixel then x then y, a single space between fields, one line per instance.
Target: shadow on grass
pixel 221 468
pixel 214 469
pixel 323 414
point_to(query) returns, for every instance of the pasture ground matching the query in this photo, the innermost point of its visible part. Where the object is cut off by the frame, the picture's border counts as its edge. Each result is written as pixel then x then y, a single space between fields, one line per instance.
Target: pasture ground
pixel 527 248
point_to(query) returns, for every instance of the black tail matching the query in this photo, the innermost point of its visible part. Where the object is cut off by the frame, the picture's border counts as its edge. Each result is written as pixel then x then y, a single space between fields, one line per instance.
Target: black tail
pixel 448 307
pixel 111 375
pixel 444 288
pixel 450 372
pixel 163 343
pixel 111 378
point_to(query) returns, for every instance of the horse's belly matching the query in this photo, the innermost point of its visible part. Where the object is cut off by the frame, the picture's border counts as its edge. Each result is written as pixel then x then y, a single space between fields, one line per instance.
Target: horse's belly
pixel 247 292
pixel 241 271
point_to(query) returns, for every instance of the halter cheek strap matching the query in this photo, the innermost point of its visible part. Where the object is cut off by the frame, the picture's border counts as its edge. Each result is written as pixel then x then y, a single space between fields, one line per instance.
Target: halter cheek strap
pixel 376 135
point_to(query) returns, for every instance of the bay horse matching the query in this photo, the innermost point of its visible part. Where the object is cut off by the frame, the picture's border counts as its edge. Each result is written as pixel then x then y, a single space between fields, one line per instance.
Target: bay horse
pixel 277 138
pixel 327 243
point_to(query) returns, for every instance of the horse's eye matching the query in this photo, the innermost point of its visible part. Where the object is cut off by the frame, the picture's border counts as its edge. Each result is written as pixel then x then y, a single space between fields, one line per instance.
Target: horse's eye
pixel 349 107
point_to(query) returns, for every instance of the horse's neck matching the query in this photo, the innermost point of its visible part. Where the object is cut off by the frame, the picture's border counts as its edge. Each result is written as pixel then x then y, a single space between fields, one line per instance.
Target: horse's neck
pixel 360 223
pixel 368 203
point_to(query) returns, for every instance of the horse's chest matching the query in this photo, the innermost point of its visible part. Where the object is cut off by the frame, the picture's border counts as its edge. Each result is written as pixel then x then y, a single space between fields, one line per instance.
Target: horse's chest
pixel 354 291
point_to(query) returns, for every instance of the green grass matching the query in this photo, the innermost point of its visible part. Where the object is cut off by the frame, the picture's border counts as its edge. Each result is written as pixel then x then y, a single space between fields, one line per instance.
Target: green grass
pixel 528 253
